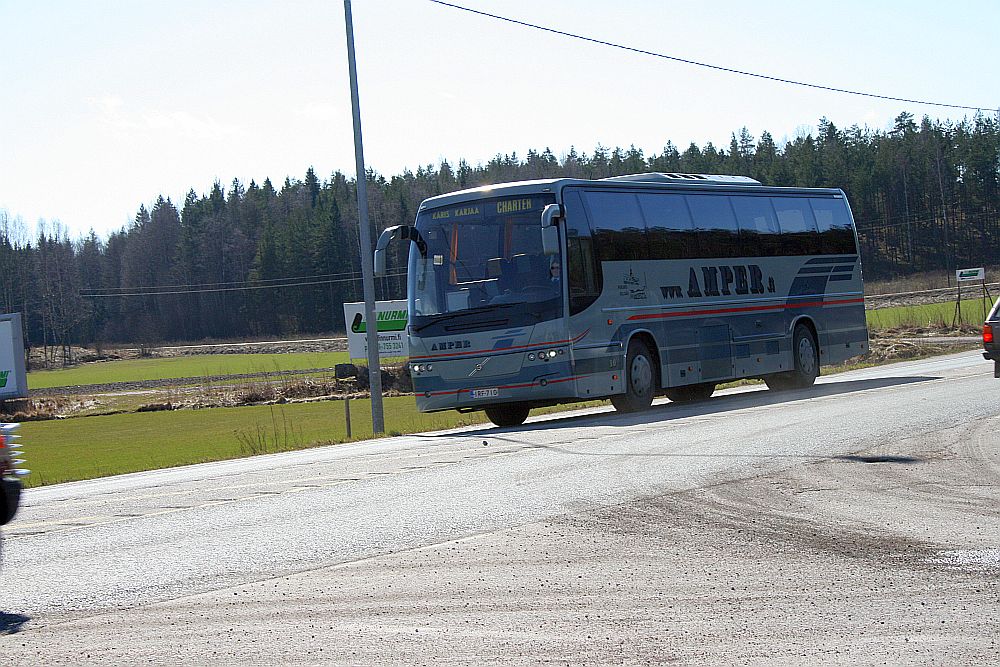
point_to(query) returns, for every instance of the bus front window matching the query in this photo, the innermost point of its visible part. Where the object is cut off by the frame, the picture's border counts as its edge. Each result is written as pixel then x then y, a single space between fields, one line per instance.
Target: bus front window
pixel 483 257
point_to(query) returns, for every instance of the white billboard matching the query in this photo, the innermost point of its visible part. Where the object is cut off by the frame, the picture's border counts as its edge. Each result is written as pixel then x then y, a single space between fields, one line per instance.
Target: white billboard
pixel 968 275
pixel 392 320
pixel 13 380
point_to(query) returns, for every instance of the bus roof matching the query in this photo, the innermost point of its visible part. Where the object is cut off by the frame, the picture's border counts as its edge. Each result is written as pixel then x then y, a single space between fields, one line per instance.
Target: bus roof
pixel 677 182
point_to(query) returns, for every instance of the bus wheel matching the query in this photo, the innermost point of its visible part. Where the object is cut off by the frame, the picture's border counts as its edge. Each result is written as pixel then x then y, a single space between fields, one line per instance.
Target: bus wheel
pixel 640 378
pixel 806 363
pixel 691 392
pixel 508 414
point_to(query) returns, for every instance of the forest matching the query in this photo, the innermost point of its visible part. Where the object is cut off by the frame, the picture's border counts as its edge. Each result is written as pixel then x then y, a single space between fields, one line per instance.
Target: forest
pixel 253 260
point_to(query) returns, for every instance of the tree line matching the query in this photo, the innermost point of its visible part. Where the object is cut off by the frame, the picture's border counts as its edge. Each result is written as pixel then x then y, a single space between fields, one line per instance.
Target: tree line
pixel 255 260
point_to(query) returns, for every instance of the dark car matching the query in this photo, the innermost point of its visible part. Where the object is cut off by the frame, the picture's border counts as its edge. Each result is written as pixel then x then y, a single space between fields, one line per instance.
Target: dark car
pixel 991 347
pixel 10 474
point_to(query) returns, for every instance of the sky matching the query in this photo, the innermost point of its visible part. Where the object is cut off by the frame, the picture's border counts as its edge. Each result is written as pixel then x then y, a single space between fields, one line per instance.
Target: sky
pixel 107 104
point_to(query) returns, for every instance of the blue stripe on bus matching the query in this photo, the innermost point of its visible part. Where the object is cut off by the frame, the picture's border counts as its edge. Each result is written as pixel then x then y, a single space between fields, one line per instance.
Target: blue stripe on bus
pixel 523 348
pixel 746 309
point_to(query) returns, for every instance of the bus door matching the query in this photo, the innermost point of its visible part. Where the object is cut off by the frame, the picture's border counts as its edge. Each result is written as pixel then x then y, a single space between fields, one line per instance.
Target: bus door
pixel 596 360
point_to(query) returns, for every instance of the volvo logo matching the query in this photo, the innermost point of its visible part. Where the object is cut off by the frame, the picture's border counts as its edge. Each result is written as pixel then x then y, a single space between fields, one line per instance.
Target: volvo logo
pixel 479 366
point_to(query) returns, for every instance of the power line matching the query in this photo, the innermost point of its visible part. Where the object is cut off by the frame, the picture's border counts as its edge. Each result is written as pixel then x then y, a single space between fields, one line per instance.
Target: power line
pixel 165 290
pixel 708 65
pixel 256 281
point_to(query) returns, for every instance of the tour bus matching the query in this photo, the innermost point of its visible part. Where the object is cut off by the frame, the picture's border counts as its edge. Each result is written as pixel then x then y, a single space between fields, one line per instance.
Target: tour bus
pixel 541 292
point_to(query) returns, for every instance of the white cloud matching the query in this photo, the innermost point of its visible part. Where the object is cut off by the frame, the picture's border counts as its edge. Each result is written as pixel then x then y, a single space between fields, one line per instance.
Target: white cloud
pixel 115 113
pixel 188 125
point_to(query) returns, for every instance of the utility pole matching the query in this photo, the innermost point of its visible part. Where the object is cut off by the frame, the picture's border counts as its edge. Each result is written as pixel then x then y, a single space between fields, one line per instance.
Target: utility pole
pixel 367 270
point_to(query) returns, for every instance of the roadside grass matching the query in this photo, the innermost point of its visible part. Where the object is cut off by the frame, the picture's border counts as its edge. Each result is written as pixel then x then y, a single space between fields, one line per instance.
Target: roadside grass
pixel 938 315
pixel 80 448
pixel 193 366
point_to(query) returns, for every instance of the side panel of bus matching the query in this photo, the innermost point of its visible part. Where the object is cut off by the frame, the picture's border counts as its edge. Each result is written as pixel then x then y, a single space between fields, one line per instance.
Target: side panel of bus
pixel 713 282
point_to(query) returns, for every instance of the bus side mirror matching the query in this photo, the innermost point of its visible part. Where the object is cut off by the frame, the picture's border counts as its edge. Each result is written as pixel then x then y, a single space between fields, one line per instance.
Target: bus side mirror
pixel 388 236
pixel 384 239
pixel 550 240
pixel 550 233
pixel 379 262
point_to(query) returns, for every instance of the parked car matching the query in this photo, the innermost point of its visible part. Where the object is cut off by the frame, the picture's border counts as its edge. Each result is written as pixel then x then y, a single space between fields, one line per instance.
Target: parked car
pixel 10 472
pixel 991 347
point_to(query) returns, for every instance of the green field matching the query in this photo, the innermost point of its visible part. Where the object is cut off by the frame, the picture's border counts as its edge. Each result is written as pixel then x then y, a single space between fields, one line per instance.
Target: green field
pixel 86 447
pixel 928 315
pixel 196 366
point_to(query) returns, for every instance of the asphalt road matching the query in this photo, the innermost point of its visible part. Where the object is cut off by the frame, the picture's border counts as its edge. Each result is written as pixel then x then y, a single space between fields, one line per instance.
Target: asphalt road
pixel 856 521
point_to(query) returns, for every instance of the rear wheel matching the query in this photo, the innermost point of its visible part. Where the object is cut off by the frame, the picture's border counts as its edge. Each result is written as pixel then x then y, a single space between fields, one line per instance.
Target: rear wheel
pixel 640 379
pixel 508 414
pixel 806 357
pixel 691 392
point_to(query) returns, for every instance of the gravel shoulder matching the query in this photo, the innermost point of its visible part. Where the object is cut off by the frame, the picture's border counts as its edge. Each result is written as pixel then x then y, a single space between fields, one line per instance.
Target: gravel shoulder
pixel 885 556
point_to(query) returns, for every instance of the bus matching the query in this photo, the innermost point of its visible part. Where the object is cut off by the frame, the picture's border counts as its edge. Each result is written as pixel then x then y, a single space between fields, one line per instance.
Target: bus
pixel 543 292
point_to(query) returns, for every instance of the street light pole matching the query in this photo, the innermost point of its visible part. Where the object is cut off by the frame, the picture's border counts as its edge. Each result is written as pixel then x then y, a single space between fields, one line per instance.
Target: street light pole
pixel 367 270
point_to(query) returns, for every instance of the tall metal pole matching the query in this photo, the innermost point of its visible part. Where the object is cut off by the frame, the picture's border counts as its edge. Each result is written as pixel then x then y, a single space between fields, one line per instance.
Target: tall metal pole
pixel 367 270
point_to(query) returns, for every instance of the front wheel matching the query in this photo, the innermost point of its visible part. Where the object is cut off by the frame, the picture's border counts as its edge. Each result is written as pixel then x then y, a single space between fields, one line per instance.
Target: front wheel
pixel 640 380
pixel 806 358
pixel 508 414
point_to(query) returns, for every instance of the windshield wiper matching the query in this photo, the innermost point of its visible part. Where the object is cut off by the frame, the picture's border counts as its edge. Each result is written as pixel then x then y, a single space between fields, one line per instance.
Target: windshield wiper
pixel 444 317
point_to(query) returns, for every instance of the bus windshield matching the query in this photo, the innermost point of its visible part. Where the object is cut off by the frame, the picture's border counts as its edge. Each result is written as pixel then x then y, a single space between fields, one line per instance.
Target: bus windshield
pixel 481 258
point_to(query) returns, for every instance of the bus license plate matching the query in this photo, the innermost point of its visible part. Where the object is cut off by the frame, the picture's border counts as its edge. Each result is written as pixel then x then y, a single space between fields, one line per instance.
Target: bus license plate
pixel 485 393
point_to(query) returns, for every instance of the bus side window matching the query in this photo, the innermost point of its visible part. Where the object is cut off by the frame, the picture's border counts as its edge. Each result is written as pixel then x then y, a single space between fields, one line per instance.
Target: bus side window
pixel 835 230
pixel 798 225
pixel 619 230
pixel 582 269
pixel 669 228
pixel 718 233
pixel 758 226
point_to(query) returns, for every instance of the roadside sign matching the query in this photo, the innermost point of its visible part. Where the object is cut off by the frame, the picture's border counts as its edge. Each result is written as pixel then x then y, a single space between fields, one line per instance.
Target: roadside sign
pixel 970 275
pixel 392 319
pixel 13 379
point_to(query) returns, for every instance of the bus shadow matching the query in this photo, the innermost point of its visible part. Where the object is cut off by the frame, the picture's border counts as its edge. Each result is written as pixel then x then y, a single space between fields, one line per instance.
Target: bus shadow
pixel 669 411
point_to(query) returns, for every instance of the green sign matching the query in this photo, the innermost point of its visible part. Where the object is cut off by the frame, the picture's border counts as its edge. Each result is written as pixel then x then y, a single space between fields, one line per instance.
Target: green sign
pixel 388 320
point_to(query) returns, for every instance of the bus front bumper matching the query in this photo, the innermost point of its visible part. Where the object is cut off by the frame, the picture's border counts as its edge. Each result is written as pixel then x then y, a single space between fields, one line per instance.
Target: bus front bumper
pixel 543 389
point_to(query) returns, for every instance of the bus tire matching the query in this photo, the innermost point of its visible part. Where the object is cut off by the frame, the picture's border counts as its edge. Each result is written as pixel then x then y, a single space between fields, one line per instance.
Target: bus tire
pixel 806 359
pixel 507 414
pixel 691 392
pixel 640 380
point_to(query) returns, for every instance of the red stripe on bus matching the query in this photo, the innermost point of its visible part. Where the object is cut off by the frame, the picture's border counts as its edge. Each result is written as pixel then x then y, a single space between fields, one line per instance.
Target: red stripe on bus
pixel 744 309
pixel 508 386
pixel 473 353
